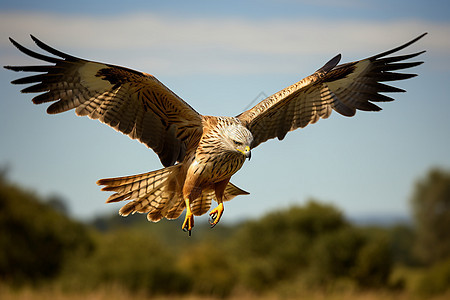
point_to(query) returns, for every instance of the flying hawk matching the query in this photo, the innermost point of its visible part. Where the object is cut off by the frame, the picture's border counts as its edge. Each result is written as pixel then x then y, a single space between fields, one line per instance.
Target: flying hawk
pixel 199 153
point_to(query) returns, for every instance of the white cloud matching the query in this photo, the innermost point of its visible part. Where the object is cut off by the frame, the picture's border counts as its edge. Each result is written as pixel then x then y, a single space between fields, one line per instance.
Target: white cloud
pixel 217 45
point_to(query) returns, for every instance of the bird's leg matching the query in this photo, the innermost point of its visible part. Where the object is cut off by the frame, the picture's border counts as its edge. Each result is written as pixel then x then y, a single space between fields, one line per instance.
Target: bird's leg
pixel 189 218
pixel 216 214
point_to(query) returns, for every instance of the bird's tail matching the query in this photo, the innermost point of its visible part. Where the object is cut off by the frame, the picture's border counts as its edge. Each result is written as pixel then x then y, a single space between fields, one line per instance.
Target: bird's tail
pixel 159 194
pixel 150 192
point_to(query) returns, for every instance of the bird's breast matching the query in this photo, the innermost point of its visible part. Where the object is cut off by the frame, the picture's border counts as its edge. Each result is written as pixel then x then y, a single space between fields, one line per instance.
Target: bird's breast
pixel 225 165
pixel 215 168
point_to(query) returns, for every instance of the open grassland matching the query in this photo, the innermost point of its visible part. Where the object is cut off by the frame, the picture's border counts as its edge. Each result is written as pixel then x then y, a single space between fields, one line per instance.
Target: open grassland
pixel 121 294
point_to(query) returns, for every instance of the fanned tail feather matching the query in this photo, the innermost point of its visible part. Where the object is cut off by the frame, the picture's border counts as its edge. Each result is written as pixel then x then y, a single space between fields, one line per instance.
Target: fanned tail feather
pixel 150 192
pixel 232 191
pixel 158 194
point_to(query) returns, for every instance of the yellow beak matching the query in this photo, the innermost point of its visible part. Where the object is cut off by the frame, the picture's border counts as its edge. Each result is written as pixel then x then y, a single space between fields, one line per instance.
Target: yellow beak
pixel 246 152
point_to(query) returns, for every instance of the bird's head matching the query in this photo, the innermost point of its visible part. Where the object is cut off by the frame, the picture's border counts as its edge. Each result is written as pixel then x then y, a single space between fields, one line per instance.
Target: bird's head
pixel 239 139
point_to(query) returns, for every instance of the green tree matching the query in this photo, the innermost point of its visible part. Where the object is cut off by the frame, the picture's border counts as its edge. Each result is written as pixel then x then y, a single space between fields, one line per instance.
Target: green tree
pixel 402 238
pixel 431 210
pixel 209 267
pixel 35 240
pixel 334 255
pixel 435 280
pixel 373 264
pixel 129 258
pixel 360 255
pixel 278 246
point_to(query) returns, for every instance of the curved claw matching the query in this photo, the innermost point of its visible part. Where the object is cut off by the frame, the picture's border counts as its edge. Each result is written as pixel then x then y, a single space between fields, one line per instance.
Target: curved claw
pixel 215 215
pixel 185 229
pixel 188 223
pixel 212 219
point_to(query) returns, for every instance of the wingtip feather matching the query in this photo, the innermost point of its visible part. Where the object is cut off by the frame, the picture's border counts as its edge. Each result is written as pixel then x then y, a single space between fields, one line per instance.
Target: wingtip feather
pixel 33 53
pixel 400 48
pixel 33 38
pixel 330 64
pixel 52 50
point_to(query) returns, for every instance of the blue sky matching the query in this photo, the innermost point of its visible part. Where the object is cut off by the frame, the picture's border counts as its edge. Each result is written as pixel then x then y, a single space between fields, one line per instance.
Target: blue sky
pixel 219 56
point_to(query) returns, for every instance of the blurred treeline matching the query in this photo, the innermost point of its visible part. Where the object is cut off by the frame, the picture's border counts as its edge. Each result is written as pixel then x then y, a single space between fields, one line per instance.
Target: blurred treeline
pixel 307 247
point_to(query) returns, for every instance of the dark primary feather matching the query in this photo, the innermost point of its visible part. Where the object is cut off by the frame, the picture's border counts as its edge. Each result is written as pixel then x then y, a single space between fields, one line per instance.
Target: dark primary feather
pixel 53 51
pixel 344 88
pixel 134 103
pixel 32 53
pixel 138 105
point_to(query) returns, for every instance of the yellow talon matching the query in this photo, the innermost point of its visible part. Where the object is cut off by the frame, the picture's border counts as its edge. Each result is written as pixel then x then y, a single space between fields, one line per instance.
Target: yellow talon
pixel 188 221
pixel 216 214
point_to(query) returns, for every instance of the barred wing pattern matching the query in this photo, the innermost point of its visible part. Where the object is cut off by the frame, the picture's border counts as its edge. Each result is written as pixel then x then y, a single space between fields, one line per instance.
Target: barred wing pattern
pixel 210 149
pixel 134 103
pixel 344 88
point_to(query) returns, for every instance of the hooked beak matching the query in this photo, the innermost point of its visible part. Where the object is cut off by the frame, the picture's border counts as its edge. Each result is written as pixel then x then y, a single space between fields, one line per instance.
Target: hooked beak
pixel 248 153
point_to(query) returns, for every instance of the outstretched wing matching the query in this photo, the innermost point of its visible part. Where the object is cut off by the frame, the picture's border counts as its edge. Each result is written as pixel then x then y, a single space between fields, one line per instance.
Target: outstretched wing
pixel 134 103
pixel 344 88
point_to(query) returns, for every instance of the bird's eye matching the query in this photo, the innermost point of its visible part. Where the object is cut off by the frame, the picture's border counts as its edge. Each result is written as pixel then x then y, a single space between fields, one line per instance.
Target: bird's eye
pixel 237 143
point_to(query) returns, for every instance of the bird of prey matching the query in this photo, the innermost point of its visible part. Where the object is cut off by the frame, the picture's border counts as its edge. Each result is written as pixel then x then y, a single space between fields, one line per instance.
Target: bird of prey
pixel 199 153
